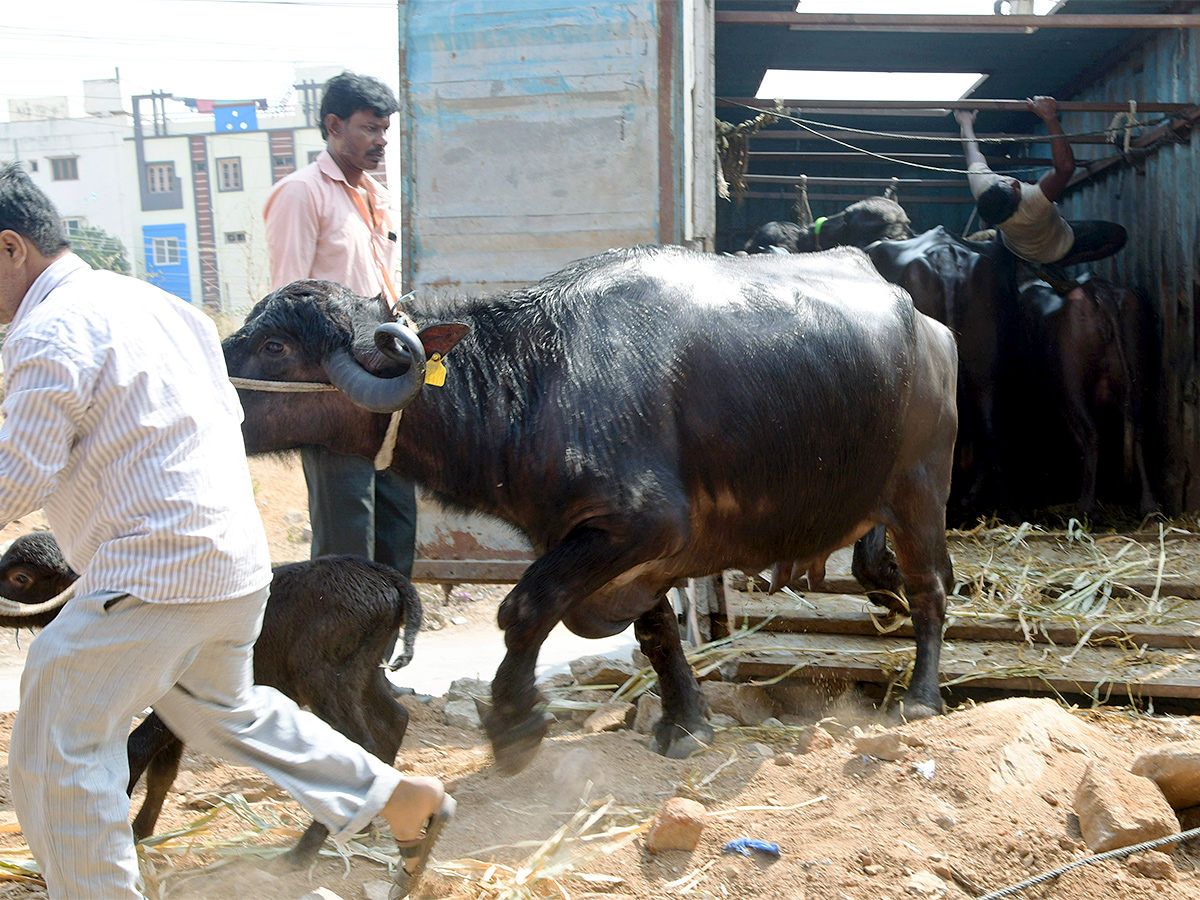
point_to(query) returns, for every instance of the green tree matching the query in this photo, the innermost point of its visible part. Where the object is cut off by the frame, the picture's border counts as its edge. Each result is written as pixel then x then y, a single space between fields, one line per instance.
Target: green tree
pixel 100 250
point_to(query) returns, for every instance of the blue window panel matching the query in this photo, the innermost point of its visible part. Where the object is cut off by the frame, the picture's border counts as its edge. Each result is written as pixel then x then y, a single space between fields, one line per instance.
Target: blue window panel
pixel 166 253
pixel 236 118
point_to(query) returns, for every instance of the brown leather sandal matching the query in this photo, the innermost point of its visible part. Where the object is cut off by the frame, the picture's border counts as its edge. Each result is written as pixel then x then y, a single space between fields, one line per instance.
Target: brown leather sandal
pixel 404 881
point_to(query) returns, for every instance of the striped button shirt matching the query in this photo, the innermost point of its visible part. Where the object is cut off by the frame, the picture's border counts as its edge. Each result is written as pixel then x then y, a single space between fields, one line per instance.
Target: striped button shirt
pixel 121 423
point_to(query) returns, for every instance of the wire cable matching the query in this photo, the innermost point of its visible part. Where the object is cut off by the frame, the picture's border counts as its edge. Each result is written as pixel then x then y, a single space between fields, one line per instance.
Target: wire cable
pixel 1100 857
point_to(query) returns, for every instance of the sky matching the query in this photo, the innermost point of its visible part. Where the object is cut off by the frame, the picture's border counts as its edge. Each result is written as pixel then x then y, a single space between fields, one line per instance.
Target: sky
pixel 209 49
pixel 241 49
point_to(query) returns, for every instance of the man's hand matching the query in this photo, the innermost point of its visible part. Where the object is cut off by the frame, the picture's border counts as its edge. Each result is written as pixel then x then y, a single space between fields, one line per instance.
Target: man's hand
pixel 1046 108
pixel 965 117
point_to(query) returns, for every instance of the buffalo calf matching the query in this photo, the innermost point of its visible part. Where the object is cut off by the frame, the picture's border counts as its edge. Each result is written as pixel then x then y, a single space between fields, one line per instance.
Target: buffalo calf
pixel 328 625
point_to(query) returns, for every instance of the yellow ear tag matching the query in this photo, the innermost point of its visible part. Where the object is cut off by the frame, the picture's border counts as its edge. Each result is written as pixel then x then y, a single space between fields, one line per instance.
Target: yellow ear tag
pixel 435 370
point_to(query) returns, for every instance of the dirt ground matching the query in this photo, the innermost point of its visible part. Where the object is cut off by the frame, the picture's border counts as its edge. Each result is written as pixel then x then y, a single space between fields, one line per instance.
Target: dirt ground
pixel 979 801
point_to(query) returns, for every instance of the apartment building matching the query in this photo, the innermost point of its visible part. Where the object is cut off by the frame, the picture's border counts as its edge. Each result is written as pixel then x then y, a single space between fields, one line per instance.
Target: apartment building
pixel 181 182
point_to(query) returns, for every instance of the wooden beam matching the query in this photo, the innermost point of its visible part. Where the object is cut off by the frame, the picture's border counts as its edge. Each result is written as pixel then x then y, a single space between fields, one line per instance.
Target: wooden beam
pixel 1175 130
pixel 941 106
pixel 847 614
pixel 935 24
pixel 1097 671
pixel 469 571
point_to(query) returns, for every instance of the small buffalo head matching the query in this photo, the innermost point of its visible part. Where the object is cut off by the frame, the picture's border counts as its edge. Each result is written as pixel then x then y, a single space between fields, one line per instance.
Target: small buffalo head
pixel 33 572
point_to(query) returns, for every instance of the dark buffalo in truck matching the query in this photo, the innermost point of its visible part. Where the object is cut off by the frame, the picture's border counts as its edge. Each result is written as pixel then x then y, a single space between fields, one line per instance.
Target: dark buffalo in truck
pixel 859 224
pixel 969 287
pixel 1092 346
pixel 642 416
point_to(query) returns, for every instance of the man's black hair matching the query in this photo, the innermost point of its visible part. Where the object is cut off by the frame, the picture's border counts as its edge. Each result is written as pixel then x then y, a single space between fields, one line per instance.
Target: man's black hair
pixel 347 93
pixel 997 203
pixel 27 211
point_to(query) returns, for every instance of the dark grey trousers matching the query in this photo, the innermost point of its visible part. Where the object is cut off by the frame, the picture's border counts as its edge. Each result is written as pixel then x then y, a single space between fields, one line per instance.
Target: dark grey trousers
pixel 354 509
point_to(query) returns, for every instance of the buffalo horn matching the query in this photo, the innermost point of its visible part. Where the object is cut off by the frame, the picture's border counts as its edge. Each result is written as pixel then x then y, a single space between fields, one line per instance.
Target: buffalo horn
pixel 380 395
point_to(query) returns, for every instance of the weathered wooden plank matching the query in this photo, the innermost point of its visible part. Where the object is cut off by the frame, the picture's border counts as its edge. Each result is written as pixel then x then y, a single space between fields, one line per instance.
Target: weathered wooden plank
pixel 1097 671
pixel 841 614
pixel 469 571
pixel 1051 560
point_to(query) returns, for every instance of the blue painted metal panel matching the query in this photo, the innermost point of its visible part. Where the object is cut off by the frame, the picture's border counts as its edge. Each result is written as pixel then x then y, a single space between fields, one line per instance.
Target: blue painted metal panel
pixel 532 137
pixel 171 276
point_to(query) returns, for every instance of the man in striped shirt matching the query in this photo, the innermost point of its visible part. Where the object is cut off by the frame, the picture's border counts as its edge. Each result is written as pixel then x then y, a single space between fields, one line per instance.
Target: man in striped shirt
pixel 121 424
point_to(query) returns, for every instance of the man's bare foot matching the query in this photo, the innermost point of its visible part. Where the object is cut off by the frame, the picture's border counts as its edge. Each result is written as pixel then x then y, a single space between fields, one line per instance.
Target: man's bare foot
pixel 413 801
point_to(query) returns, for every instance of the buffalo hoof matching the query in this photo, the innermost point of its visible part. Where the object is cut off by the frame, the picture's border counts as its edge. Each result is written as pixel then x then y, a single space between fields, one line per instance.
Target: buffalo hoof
pixel 910 709
pixel 515 745
pixel 677 742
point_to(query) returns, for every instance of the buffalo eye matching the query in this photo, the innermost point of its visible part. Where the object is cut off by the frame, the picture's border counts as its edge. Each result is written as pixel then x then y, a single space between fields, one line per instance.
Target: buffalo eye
pixel 20 579
pixel 274 347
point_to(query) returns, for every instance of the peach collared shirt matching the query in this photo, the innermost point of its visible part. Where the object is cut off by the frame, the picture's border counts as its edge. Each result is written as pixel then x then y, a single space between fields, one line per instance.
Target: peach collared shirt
pixel 315 229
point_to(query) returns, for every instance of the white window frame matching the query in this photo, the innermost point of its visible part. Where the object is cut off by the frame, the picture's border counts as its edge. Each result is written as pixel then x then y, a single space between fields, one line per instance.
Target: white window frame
pixel 165 251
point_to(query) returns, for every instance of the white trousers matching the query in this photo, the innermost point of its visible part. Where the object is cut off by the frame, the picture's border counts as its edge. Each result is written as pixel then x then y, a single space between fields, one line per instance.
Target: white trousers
pixel 107 657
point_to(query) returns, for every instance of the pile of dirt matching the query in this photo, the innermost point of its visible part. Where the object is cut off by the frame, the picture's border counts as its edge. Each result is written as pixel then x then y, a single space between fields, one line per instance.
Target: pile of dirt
pixel 978 800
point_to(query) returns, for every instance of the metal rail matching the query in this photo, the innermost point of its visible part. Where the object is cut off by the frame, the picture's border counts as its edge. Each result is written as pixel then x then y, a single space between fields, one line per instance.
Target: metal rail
pixel 957 24
pixel 1110 106
pixel 851 155
pixel 799 134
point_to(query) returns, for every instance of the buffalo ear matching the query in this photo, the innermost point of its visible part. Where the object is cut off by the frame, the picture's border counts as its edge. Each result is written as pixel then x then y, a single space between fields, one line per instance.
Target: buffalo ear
pixel 442 337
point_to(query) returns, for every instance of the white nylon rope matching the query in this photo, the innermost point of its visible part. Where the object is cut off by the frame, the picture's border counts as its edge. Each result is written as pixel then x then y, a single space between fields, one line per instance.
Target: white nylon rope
pixel 383 458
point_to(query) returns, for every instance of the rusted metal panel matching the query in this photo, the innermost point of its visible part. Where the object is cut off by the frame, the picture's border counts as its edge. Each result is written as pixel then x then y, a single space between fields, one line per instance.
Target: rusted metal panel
pixel 1154 197
pixel 532 133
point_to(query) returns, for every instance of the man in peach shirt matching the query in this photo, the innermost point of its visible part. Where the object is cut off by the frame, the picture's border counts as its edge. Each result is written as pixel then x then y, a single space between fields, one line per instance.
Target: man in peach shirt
pixel 331 220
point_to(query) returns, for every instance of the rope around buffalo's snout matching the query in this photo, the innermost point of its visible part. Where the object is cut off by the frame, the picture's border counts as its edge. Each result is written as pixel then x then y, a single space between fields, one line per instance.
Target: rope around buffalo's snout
pixel 383 457
pixel 24 610
pixel 281 387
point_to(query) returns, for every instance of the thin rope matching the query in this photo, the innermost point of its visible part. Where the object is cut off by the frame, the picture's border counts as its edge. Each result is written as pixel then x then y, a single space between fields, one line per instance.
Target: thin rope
pixel 383 457
pixel 280 387
pixel 883 156
pixel 925 137
pixel 1088 860
pixel 806 123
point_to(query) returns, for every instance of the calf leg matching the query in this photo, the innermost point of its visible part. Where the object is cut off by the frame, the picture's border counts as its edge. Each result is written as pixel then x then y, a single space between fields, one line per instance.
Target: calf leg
pixel 1087 437
pixel 349 715
pixel 155 750
pixel 683 729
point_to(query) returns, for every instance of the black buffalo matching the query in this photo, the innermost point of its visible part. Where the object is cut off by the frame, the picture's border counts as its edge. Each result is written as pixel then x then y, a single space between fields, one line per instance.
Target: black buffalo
pixel 328 624
pixel 971 288
pixel 859 224
pixel 643 416
pixel 1092 347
